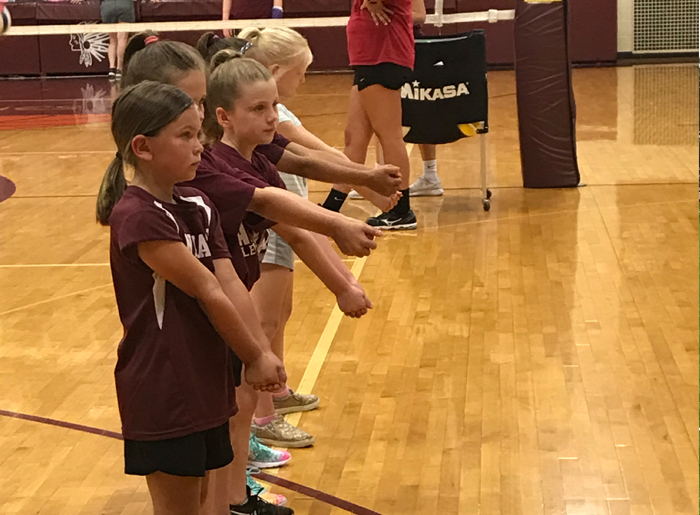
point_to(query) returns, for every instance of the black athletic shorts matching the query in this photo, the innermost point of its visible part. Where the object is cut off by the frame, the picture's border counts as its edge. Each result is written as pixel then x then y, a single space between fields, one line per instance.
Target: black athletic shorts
pixel 391 76
pixel 189 456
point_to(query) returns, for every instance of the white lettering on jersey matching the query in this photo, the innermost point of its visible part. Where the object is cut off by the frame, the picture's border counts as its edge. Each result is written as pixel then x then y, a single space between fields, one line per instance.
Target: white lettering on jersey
pixel 252 243
pixel 413 91
pixel 203 248
pixel 197 245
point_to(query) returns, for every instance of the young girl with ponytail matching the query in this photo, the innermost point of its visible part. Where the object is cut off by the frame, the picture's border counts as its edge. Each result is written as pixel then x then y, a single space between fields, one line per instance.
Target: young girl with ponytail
pixel 180 301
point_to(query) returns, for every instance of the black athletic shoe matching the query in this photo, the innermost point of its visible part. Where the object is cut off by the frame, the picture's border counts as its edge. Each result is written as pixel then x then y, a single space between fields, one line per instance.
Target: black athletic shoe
pixel 394 222
pixel 112 73
pixel 257 506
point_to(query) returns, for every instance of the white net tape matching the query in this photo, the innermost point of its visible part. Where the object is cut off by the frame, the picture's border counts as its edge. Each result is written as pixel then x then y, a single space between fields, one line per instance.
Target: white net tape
pixel 439 19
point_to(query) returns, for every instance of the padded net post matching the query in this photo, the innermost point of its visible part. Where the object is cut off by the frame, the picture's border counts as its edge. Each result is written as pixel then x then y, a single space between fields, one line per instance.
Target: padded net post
pixel 546 107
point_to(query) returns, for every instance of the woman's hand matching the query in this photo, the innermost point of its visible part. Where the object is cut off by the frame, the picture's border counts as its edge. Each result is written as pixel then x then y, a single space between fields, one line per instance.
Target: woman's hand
pixel 378 11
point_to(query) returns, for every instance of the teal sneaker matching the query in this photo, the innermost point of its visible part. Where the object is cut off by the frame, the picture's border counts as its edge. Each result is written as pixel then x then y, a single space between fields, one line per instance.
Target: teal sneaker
pixel 263 457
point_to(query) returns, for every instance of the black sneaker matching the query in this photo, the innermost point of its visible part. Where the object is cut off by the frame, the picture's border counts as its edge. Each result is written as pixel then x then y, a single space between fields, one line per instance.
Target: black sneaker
pixel 118 74
pixel 112 73
pixel 257 506
pixel 394 222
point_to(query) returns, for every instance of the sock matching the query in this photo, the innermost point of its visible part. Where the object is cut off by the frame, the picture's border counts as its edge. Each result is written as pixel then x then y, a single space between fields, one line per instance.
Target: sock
pixel 282 395
pixel 260 422
pixel 334 200
pixel 430 170
pixel 404 205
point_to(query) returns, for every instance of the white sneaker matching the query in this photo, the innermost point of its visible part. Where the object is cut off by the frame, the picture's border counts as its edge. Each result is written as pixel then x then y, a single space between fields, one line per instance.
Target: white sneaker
pixel 353 195
pixel 424 187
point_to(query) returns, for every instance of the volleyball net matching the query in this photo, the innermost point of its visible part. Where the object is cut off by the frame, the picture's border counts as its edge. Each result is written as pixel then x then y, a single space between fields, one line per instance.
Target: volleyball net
pixel 438 19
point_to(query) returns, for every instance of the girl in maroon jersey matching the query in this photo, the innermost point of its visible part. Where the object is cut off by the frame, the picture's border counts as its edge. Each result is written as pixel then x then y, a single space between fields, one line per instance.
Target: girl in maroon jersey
pixel 174 282
pixel 178 64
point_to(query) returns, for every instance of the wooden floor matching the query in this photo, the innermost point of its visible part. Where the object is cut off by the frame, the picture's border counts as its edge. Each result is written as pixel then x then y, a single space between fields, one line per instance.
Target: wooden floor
pixel 538 359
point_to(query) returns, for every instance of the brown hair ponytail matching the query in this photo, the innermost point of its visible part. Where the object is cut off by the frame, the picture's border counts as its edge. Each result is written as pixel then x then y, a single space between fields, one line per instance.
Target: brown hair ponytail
pixel 145 109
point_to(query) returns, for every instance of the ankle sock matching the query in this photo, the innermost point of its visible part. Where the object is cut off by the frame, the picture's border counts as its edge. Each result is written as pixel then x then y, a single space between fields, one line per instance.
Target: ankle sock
pixel 334 200
pixel 430 170
pixel 263 421
pixel 282 395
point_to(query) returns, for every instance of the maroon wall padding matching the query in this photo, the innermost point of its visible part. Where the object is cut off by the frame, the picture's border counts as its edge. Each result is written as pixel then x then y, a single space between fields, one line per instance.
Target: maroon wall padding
pixel 19 55
pixel 71 54
pixel 329 44
pixel 316 8
pixel 546 108
pixel 593 25
pixel 593 34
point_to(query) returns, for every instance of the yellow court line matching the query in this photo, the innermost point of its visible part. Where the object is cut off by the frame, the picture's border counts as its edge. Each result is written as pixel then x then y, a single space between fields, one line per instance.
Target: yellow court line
pixel 318 358
pixel 33 304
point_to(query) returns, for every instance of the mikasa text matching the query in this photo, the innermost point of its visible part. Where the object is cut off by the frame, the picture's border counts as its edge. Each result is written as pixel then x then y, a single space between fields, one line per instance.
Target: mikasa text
pixel 413 91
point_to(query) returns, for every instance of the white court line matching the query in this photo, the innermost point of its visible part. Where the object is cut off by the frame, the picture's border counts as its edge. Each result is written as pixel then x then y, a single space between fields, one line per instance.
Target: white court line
pixel 45 301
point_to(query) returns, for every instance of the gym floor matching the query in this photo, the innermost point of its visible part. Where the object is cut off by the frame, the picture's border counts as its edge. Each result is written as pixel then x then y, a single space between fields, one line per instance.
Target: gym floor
pixel 541 358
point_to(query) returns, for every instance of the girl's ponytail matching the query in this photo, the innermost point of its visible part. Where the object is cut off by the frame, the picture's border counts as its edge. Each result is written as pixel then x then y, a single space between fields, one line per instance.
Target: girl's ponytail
pixel 136 43
pixel 111 190
pixel 144 109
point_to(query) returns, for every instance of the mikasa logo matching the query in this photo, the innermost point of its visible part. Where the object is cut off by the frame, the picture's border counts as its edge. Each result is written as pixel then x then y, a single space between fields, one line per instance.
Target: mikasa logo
pixel 415 92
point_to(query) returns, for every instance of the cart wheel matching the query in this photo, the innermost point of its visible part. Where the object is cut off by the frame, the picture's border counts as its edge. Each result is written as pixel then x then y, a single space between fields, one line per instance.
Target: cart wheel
pixel 486 204
pixel 488 194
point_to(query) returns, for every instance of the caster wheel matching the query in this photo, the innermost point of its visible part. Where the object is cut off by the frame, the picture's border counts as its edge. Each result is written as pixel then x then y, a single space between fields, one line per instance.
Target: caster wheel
pixel 486 204
pixel 488 194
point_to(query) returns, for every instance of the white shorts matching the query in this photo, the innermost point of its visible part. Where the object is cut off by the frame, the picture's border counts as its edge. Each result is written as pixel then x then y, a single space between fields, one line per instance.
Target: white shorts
pixel 278 251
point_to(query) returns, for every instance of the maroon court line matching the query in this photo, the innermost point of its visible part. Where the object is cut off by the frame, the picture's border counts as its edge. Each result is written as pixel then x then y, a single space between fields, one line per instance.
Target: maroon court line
pixel 284 483
pixel 7 188
pixel 61 423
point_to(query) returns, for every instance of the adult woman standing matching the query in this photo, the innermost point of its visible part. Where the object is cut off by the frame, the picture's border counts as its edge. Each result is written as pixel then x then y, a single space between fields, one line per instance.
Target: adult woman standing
pixel 381 49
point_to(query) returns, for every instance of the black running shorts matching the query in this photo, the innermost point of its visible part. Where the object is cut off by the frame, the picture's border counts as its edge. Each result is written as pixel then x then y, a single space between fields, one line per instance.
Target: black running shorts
pixel 189 456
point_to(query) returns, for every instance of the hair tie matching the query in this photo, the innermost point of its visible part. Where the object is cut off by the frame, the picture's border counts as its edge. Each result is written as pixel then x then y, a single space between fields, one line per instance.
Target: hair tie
pixel 245 47
pixel 150 39
pixel 118 155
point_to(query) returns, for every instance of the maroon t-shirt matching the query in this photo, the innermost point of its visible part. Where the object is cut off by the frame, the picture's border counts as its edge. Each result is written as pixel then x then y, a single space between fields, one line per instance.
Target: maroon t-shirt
pixel 231 190
pixel 253 239
pixel 251 9
pixel 174 373
pixel 273 151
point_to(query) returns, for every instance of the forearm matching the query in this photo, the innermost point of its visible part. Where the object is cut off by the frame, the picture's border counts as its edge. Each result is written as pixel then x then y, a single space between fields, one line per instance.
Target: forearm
pixel 240 298
pixel 334 258
pixel 230 325
pixel 322 170
pixel 282 206
pixel 307 247
pixel 226 9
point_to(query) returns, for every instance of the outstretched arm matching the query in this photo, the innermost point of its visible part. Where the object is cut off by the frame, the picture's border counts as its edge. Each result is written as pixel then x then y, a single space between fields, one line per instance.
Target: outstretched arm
pixel 353 237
